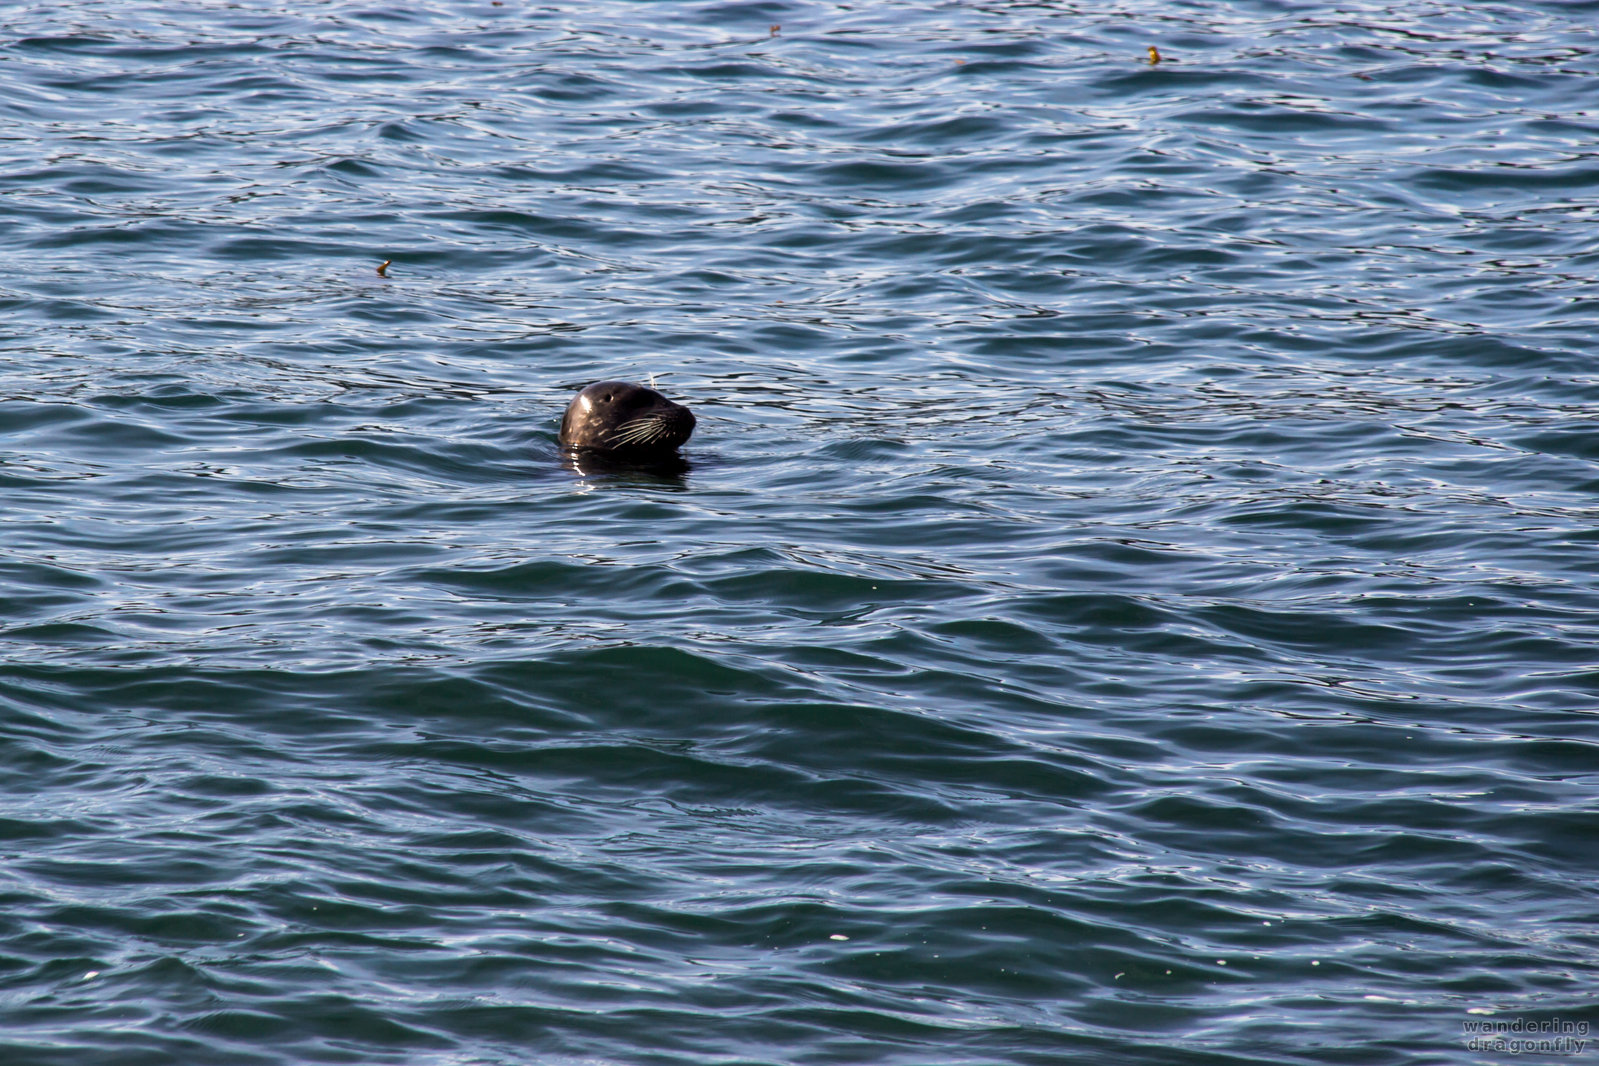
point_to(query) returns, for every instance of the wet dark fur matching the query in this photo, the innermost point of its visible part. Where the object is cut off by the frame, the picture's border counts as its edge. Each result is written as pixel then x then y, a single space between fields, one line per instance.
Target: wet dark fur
pixel 625 420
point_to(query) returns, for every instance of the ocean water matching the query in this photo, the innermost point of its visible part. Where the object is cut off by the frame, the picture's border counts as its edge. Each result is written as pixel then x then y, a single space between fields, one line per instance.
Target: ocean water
pixel 1132 596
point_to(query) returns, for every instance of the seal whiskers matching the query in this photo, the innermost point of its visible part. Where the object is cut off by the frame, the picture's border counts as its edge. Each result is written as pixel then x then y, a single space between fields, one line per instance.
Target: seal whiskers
pixel 643 431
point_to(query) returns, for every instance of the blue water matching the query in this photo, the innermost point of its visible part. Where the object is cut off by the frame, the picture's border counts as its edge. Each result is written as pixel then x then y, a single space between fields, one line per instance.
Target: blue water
pixel 1131 599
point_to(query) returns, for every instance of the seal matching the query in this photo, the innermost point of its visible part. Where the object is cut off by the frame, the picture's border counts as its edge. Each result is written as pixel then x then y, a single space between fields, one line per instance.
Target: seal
pixel 625 420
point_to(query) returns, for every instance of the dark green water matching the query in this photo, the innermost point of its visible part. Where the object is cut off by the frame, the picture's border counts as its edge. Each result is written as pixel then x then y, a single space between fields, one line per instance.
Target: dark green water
pixel 1132 598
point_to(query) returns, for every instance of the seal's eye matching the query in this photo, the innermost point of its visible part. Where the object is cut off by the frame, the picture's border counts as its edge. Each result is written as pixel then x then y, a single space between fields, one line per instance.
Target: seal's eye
pixel 609 397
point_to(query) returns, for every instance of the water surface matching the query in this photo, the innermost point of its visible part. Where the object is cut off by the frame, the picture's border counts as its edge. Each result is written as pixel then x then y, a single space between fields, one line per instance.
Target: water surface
pixel 1131 596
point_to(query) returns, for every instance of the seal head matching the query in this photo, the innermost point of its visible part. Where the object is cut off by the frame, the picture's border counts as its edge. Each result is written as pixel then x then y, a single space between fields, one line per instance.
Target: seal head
pixel 628 421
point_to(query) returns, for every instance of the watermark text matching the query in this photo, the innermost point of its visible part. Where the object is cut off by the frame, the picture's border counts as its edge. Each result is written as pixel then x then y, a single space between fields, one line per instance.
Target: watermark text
pixel 1527 1036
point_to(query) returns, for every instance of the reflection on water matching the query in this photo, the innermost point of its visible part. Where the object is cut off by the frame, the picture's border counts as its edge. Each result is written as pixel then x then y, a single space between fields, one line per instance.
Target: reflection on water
pixel 663 471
